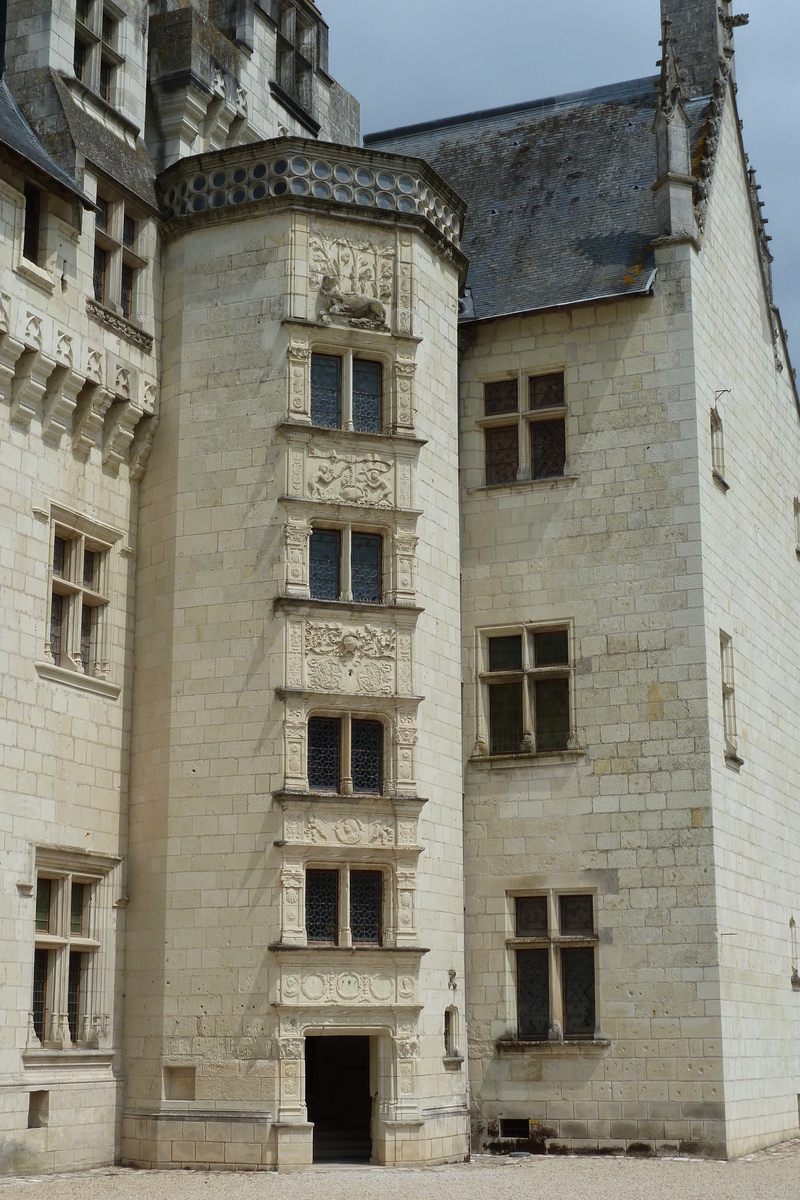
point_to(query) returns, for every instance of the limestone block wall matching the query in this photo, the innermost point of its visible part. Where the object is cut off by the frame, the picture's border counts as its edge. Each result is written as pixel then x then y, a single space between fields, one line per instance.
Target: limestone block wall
pixel 222 822
pixel 67 469
pixel 750 578
pixel 611 552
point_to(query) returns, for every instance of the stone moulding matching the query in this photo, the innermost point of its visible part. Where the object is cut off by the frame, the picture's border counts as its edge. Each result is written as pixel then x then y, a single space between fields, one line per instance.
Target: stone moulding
pixel 303 171
pixel 131 332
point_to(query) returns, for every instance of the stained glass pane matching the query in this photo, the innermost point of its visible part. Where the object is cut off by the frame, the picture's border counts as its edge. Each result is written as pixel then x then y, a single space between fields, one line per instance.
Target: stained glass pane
pixel 90 561
pixel 576 914
pixel 56 626
pixel 76 909
pixel 99 275
pixel 505 718
pixel 367 389
pixel 500 397
pixel 324 556
pixel 323 754
pixel 548 448
pixel 577 972
pixel 87 638
pixel 366 756
pixel 126 291
pixel 533 993
pixel 59 556
pixel 74 995
pixel 326 391
pixel 547 391
pixel 531 916
pixel 40 963
pixel 43 893
pixel 502 455
pixel 505 653
pixel 322 906
pixel 552 714
pixel 366 554
pixel 551 649
pixel 366 890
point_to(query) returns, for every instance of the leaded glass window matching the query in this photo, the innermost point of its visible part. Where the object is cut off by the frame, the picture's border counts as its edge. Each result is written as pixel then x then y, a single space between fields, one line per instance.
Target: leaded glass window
pixel 76 909
pixel 505 717
pixel 505 653
pixel 87 637
pixel 366 898
pixel 548 448
pixel 44 891
pixel 555 979
pixel 501 397
pixel 531 913
pixel 325 551
pixel 322 906
pixel 552 719
pixel 74 995
pixel 367 396
pixel 533 993
pixel 577 975
pixel 366 756
pixel 326 391
pixel 547 391
pixel 39 1001
pixel 366 554
pixel 99 275
pixel 502 454
pixel 323 754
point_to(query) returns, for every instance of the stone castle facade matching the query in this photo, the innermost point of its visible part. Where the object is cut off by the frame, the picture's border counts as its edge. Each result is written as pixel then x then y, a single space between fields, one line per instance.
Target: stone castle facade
pixel 400 664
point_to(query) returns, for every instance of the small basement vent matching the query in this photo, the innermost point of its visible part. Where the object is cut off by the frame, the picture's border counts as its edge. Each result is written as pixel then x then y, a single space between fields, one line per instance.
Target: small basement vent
pixel 515 1127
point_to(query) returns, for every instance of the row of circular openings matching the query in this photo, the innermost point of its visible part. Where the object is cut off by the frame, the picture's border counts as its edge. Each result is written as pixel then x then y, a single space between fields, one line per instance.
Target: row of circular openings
pixel 295 187
pixel 300 167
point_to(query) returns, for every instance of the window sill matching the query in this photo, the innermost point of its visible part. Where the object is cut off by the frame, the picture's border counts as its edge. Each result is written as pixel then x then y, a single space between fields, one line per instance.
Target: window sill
pixel 323 948
pixel 349 608
pixel 560 1049
pixel 720 481
pixel 34 274
pixel 68 1058
pixel 119 324
pixel 552 481
pixel 545 758
pixel 76 679
pixel 357 436
pixel 284 797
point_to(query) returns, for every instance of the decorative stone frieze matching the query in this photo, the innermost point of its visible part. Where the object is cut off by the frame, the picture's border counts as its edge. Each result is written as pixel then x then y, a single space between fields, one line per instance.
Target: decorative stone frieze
pixel 334 823
pixel 294 168
pixel 332 471
pixel 308 985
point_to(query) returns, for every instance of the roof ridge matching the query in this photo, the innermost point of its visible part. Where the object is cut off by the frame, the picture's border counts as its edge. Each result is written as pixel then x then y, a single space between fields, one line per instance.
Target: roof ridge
pixel 566 99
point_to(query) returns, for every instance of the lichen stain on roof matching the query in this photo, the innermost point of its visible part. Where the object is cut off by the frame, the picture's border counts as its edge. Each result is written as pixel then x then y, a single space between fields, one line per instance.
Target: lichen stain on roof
pixel 559 194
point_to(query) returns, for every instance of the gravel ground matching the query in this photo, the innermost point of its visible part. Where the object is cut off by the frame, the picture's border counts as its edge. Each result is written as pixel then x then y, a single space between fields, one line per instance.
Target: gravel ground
pixel 770 1175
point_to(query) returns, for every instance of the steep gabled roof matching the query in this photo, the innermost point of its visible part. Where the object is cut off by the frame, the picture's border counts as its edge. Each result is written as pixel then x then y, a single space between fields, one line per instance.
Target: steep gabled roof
pixel 560 208
pixel 17 137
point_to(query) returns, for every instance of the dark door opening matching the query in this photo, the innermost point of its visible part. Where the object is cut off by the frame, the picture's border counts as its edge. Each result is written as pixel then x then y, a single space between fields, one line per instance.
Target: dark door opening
pixel 338 1097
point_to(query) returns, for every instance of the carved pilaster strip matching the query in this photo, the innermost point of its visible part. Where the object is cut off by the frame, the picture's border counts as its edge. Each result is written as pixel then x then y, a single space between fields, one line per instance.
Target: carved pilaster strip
pixel 298 359
pixel 298 532
pixel 404 325
pixel 404 372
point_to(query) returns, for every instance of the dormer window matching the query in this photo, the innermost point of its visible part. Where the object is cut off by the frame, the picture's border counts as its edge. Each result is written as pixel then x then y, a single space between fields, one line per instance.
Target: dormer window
pixel 96 56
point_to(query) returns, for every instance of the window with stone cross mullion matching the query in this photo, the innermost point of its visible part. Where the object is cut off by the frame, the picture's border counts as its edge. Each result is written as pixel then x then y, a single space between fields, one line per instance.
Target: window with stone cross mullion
pixel 534 445
pixel 346 393
pixel 555 954
pixel 345 755
pixel 78 601
pixel 344 906
pixel 345 564
pixel 65 949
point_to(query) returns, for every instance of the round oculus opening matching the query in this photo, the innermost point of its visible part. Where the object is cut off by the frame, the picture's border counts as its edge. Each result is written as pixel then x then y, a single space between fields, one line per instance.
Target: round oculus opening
pixel 384 181
pixel 300 166
pixel 321 170
pixel 299 187
pixel 218 180
pixel 259 170
pixel 343 195
pixel 342 174
pixel 280 167
pixel 364 198
pixel 199 182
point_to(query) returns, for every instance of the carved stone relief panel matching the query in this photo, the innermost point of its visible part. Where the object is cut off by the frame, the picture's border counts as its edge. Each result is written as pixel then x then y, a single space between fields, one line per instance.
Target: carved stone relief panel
pixel 352 279
pixel 336 825
pixel 365 479
pixel 310 986
pixel 349 659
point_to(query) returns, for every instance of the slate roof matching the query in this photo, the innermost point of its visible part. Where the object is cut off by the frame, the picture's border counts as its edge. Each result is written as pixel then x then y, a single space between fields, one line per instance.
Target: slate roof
pixel 17 136
pixel 559 202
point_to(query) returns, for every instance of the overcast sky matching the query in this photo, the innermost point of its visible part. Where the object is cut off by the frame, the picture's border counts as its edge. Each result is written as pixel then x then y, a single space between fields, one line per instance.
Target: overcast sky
pixel 417 60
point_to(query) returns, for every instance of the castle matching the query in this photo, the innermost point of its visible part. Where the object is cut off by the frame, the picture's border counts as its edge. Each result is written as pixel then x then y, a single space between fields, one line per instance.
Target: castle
pixel 401 656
